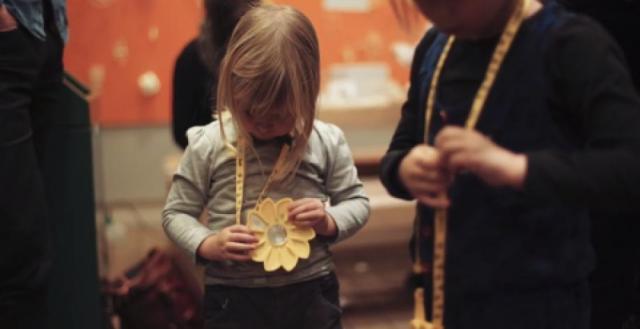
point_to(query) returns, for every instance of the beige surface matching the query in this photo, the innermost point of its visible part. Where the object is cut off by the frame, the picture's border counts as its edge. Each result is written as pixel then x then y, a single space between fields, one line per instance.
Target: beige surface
pixel 362 117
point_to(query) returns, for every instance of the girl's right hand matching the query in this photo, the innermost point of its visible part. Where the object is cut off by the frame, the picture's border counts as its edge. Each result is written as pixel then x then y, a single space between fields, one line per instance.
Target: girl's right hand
pixel 232 243
pixel 423 174
pixel 7 21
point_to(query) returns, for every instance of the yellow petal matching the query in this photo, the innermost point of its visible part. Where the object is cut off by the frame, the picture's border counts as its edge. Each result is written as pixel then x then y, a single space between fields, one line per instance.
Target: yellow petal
pixel 299 248
pixel 267 211
pixel 281 209
pixel 288 259
pixel 262 237
pixel 301 234
pixel 255 222
pixel 262 252
pixel 272 262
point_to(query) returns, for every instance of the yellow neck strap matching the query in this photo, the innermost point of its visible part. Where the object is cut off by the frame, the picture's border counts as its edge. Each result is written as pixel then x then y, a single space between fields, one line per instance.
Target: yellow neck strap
pixel 240 174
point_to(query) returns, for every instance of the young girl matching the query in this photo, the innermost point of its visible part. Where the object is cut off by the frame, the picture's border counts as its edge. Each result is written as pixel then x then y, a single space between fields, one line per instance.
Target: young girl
pixel 246 168
pixel 558 132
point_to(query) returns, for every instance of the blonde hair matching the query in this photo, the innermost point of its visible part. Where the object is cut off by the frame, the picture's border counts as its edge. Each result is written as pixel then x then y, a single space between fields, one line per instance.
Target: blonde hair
pixel 273 65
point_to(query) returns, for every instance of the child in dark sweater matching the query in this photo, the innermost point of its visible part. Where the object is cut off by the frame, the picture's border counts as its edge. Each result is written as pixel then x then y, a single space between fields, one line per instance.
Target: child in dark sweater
pixel 559 133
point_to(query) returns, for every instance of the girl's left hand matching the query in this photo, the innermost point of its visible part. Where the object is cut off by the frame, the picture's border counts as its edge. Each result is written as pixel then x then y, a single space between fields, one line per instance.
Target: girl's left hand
pixel 468 150
pixel 310 212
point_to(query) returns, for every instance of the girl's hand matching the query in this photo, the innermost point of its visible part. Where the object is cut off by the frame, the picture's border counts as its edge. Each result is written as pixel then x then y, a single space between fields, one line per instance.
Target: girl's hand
pixel 423 174
pixel 232 243
pixel 7 21
pixel 464 149
pixel 311 213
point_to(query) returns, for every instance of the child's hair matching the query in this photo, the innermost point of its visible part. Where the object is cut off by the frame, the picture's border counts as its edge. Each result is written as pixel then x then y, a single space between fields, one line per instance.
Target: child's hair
pixel 273 65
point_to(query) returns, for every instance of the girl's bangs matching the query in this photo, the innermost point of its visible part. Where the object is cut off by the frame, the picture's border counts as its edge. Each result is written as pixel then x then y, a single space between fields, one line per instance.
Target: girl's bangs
pixel 265 95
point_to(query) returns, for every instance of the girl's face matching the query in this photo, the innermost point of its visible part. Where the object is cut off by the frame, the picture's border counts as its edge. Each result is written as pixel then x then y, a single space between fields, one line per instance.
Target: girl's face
pixel 268 127
pixel 467 18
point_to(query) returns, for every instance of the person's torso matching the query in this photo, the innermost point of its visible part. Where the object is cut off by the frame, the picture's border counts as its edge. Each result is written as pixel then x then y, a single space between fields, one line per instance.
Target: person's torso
pixel 497 238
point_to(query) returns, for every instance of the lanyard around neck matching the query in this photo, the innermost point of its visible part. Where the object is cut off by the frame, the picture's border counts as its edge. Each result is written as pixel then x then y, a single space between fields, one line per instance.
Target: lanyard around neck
pixel 499 54
pixel 241 172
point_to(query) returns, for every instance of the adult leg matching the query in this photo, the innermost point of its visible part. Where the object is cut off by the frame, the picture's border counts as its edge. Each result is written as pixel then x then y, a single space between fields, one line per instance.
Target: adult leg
pixel 24 240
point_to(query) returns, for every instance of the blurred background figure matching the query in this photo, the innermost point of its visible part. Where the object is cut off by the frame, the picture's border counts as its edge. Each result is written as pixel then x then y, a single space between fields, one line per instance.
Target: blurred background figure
pixel 196 70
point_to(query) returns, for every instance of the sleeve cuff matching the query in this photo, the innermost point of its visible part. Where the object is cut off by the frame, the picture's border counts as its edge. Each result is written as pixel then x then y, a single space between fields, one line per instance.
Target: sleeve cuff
pixel 390 176
pixel 341 230
pixel 347 222
pixel 198 237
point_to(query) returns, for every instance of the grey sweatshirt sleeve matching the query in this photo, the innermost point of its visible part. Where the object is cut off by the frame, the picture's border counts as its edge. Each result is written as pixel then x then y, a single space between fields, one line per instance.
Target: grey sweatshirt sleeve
pixel 188 195
pixel 349 204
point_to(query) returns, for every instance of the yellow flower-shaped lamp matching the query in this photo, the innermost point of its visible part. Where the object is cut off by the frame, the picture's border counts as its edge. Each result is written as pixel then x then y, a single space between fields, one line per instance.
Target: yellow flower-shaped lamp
pixel 281 243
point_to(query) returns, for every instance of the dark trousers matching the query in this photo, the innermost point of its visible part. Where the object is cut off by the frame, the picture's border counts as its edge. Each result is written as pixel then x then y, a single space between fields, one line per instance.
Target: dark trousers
pixel 30 76
pixel 308 305
pixel 562 307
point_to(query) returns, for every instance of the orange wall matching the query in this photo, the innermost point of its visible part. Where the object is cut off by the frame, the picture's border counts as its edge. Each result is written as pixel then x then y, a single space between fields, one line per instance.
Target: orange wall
pixel 96 30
